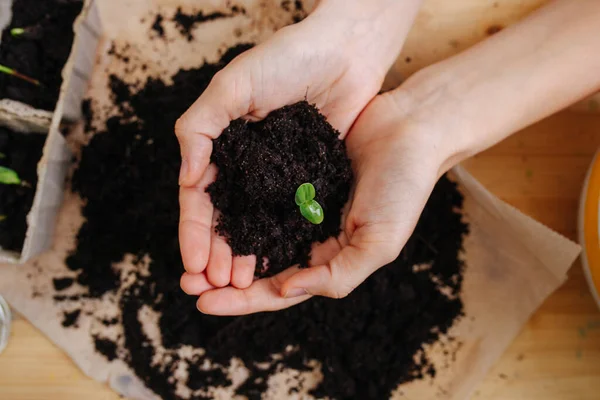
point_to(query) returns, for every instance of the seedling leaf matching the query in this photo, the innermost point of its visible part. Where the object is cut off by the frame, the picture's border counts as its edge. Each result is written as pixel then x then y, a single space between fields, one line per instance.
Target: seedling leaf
pixel 16 32
pixel 312 211
pixel 304 193
pixel 9 71
pixel 9 177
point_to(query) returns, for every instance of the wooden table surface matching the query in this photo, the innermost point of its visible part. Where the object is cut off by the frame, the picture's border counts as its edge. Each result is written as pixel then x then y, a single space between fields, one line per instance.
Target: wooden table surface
pixel 539 170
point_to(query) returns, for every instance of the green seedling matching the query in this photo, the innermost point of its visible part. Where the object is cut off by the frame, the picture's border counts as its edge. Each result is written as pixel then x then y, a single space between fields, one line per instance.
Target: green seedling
pixel 10 71
pixel 309 208
pixel 16 32
pixel 2 218
pixel 9 177
pixel 31 32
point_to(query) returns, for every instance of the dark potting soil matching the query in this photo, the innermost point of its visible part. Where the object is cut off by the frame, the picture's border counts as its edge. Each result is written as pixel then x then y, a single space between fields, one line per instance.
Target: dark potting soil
pixel 41 53
pixel 260 166
pixel 366 344
pixel 21 153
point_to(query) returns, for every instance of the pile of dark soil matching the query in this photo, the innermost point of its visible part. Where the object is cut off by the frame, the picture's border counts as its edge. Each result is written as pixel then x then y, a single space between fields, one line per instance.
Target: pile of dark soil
pixel 261 164
pixel 366 344
pixel 41 53
pixel 21 153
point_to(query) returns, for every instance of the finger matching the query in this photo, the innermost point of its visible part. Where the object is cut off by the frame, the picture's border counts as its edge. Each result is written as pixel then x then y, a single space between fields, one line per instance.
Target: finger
pixel 196 212
pixel 195 157
pixel 242 272
pixel 194 284
pixel 262 295
pixel 227 97
pixel 323 252
pixel 340 276
pixel 218 270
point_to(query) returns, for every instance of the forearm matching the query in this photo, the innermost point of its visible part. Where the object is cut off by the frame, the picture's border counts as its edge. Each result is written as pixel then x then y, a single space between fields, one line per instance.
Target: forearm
pixel 376 29
pixel 517 77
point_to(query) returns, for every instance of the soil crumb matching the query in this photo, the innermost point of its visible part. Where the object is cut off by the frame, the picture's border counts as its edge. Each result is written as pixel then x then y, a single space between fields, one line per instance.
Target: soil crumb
pixel 157 26
pixel 71 318
pixel 62 283
pixel 187 22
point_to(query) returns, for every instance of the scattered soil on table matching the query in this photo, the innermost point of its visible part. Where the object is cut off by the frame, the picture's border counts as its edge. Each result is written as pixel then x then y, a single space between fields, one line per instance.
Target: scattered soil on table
pixel 62 283
pixel 261 164
pixel 106 347
pixel 187 22
pixel 365 345
pixel 41 53
pixel 71 318
pixel 21 153
pixel 157 25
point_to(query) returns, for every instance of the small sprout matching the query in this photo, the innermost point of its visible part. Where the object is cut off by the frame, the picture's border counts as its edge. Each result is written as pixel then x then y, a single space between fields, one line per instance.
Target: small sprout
pixel 16 32
pixel 32 32
pixel 2 218
pixel 305 192
pixel 309 208
pixel 10 71
pixel 9 177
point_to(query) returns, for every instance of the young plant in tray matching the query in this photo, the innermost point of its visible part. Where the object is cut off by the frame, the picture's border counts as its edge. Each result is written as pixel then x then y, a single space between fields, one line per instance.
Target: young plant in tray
pixel 17 32
pixel 32 32
pixel 309 208
pixel 9 71
pixel 8 177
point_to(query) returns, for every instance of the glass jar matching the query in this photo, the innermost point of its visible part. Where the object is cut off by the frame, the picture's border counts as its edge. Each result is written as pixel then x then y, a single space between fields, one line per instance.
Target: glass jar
pixel 5 321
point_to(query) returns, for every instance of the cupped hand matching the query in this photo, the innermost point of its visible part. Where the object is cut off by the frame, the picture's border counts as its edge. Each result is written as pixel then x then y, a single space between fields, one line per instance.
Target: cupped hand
pixel 329 60
pixel 396 165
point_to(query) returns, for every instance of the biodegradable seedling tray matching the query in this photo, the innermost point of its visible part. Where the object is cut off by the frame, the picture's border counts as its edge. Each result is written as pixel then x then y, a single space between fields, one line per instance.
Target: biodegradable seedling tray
pixel 35 47
pixel 56 156
pixel 21 153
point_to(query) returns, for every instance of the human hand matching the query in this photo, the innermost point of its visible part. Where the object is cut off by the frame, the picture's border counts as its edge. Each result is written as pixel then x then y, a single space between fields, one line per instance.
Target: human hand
pixel 404 140
pixel 396 165
pixel 336 58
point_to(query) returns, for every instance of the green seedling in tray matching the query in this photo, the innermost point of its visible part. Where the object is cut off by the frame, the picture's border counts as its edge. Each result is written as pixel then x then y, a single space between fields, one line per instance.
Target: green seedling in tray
pixel 31 32
pixel 309 208
pixel 16 32
pixel 9 71
pixel 9 176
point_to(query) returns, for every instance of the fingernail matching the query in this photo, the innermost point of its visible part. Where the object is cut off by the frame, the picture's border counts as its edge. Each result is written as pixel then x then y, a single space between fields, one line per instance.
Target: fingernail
pixel 295 292
pixel 183 171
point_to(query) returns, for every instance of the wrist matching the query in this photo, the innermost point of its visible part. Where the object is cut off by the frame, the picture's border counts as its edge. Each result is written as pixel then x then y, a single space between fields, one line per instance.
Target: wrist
pixel 477 98
pixel 373 31
pixel 429 108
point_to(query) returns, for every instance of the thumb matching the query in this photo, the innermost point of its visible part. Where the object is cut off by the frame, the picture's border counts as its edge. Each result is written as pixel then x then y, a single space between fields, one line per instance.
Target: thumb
pixel 227 97
pixel 348 269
